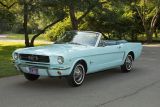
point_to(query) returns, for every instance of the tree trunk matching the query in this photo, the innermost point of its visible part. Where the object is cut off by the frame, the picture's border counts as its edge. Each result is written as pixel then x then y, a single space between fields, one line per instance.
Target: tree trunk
pixel 135 37
pixel 149 31
pixel 149 36
pixel 73 17
pixel 25 24
pixel 156 33
pixel 119 36
pixel 132 37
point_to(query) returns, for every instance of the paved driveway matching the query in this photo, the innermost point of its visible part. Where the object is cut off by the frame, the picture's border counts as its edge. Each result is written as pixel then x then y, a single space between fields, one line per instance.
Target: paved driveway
pixel 111 88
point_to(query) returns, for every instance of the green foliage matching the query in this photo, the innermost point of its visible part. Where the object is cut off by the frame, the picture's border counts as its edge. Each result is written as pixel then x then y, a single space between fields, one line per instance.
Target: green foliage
pixel 7 20
pixel 110 20
pixel 115 19
pixel 147 8
pixel 56 31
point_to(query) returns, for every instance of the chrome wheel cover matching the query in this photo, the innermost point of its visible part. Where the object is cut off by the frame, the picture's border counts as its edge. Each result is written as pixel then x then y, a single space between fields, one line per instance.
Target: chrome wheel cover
pixel 79 73
pixel 128 62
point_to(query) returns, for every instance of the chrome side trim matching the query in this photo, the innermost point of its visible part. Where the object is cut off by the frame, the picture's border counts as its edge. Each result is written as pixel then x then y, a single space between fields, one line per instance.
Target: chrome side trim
pixel 61 68
pixel 35 63
pixel 101 54
pixel 45 67
pixel 42 67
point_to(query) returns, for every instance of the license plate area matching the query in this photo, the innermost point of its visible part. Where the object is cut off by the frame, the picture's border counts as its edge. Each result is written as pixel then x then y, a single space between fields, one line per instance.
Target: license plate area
pixel 33 70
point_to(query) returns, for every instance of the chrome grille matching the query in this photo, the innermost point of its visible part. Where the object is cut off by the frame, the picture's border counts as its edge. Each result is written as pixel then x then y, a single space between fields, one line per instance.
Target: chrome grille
pixel 34 58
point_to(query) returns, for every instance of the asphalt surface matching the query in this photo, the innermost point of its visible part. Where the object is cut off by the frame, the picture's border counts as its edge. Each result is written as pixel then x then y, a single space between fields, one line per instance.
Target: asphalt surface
pixel 111 88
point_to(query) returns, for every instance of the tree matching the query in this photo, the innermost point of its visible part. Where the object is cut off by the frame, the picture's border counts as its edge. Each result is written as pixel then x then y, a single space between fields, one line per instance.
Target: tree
pixel 83 6
pixel 149 11
pixel 112 19
pixel 28 7
pixel 7 16
pixel 100 20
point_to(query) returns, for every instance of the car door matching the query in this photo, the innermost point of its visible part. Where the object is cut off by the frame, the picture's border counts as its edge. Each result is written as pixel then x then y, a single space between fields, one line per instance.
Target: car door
pixel 113 55
pixel 106 57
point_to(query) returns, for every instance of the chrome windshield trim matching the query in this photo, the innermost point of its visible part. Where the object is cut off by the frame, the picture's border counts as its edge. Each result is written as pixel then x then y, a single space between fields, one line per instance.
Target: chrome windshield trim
pixel 98 40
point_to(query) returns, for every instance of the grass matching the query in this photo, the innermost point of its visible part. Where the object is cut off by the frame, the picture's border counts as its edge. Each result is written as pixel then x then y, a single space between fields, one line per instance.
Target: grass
pixel 6 64
pixel 21 36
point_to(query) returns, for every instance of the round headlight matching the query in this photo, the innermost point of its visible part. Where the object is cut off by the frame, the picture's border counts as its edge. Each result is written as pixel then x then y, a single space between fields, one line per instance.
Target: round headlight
pixel 60 59
pixel 15 56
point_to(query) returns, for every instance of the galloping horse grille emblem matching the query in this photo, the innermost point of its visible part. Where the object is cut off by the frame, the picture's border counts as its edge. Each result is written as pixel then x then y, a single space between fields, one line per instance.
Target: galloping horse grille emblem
pixel 33 58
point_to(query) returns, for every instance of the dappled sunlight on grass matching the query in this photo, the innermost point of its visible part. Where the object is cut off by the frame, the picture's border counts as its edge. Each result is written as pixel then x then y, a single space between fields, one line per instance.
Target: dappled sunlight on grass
pixel 6 63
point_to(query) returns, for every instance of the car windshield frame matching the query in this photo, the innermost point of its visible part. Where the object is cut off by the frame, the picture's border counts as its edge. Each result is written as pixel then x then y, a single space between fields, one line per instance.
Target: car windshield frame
pixel 78 35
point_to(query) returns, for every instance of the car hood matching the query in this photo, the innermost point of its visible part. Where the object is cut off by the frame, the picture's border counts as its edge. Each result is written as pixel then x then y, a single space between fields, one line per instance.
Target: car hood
pixel 54 49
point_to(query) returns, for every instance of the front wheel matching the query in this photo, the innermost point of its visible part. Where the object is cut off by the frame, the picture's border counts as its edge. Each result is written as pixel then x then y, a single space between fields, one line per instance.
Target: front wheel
pixel 127 66
pixel 77 76
pixel 31 77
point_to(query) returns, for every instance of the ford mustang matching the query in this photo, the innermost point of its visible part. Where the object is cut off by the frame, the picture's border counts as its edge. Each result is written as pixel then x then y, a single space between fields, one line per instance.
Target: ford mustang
pixel 74 55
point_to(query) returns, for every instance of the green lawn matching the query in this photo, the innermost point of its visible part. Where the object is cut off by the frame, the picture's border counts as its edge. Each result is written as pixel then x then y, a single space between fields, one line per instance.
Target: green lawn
pixel 21 36
pixel 6 65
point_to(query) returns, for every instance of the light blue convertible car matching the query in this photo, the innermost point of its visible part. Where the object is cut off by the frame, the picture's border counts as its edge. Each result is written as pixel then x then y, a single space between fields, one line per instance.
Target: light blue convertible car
pixel 76 54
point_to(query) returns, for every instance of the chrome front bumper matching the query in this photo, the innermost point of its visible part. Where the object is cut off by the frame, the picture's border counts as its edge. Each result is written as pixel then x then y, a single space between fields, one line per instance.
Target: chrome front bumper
pixel 44 70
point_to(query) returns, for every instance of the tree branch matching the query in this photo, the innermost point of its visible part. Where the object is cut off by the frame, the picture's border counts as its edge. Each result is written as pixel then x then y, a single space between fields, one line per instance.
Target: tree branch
pixel 88 10
pixel 85 13
pixel 154 19
pixel 8 7
pixel 104 35
pixel 44 29
pixel 141 15
pixel 12 5
pixel 3 4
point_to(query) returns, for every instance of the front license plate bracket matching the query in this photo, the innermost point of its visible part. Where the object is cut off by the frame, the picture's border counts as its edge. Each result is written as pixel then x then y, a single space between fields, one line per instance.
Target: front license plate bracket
pixel 33 70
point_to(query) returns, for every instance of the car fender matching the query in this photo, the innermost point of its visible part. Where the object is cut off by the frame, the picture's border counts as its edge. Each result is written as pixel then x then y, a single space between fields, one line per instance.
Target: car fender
pixel 75 60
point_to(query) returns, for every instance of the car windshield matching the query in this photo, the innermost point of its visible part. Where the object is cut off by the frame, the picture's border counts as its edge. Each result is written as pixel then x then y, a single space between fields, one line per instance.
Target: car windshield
pixel 79 38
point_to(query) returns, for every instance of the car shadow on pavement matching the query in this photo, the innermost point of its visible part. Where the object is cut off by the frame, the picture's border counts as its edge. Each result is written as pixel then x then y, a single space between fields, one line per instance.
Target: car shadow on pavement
pixel 55 82
pixel 96 79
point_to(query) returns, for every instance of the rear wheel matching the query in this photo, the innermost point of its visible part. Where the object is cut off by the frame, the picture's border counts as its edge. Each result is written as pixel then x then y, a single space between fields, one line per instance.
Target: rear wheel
pixel 127 66
pixel 31 77
pixel 77 76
